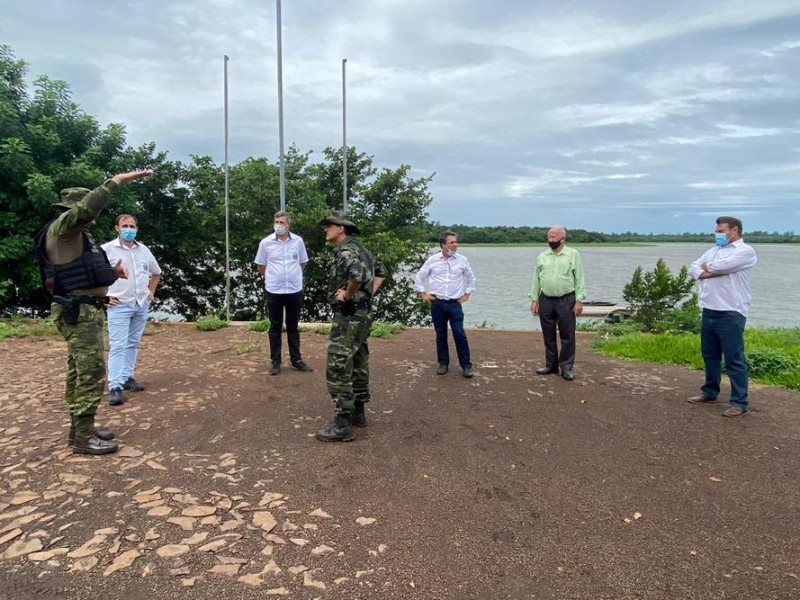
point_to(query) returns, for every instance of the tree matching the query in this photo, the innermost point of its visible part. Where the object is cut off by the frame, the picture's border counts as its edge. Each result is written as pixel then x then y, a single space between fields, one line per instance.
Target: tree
pixel 656 295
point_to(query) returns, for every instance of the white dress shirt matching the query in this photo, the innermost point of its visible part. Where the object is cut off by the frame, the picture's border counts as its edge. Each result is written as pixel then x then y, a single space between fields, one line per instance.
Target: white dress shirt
pixel 731 289
pixel 448 278
pixel 282 261
pixel 141 265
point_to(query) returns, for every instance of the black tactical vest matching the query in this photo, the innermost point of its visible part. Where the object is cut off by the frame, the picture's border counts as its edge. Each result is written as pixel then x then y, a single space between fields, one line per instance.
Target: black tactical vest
pixel 90 270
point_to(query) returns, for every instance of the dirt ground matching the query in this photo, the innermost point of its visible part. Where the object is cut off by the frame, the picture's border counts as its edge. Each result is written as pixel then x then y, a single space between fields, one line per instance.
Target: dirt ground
pixel 508 485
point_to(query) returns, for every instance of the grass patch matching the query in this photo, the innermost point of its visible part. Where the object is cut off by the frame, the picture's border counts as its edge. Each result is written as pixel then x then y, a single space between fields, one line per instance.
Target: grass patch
pixel 210 323
pixel 260 326
pixel 248 346
pixel 384 330
pixel 773 355
pixel 20 327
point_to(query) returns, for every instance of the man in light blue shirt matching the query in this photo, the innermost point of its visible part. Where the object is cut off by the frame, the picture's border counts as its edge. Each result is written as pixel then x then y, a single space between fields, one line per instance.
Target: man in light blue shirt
pixel 128 306
pixel 723 275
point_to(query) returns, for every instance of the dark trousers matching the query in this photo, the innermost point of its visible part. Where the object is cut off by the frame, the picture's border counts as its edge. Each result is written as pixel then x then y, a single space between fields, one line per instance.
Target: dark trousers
pixel 442 313
pixel 276 305
pixel 557 314
pixel 722 334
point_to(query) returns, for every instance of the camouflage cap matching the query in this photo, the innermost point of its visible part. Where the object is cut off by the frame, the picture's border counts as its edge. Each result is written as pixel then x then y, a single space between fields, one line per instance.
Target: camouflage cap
pixel 339 218
pixel 71 196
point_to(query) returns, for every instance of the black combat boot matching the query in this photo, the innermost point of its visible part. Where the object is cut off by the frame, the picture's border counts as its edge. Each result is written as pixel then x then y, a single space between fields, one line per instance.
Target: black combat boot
pixel 86 442
pixel 340 431
pixel 103 434
pixel 93 445
pixel 359 418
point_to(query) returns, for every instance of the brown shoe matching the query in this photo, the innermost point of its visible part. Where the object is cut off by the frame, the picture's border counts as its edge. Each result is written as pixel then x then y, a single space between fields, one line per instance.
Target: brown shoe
pixel 734 411
pixel 701 400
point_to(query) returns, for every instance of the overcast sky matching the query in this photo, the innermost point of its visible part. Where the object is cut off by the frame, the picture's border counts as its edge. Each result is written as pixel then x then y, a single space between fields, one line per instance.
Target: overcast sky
pixel 609 115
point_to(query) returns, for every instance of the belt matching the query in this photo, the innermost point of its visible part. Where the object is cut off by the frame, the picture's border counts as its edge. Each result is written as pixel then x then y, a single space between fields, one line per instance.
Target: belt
pixel 98 301
pixel 558 297
pixel 446 300
pixel 361 304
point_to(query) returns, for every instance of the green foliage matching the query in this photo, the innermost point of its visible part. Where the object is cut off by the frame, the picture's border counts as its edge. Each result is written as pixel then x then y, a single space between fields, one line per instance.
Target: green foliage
pixel 773 355
pixel 384 330
pixel 210 323
pixel 249 346
pixel 261 326
pixel 21 327
pixel 766 361
pixel 655 295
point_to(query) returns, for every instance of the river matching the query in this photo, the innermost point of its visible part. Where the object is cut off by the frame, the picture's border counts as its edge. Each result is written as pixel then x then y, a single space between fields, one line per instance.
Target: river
pixel 504 278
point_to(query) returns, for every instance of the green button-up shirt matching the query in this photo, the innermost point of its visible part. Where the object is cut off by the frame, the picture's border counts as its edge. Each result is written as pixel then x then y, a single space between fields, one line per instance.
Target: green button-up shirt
pixel 558 274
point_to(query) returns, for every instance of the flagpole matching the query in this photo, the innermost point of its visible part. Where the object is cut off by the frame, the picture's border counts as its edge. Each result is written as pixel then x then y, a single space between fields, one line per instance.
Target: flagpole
pixel 280 107
pixel 227 210
pixel 344 136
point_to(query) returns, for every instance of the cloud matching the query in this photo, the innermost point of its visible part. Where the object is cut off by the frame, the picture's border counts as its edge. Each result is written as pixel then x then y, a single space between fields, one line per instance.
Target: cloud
pixel 603 115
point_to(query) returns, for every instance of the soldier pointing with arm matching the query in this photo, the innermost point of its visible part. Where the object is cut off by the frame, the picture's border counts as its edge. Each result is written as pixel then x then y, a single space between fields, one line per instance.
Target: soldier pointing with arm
pixel 76 271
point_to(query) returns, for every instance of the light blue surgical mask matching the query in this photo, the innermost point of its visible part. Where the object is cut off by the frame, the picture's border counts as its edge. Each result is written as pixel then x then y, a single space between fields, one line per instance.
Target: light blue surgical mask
pixel 128 234
pixel 721 239
pixel 451 253
pixel 281 229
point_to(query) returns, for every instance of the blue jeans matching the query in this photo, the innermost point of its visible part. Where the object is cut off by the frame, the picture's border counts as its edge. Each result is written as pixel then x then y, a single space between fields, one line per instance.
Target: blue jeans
pixel 442 312
pixel 722 334
pixel 125 328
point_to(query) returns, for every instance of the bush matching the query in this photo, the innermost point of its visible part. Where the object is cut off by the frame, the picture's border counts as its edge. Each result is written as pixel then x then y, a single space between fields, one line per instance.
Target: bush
pixel 770 361
pixel 685 319
pixel 262 325
pixel 654 295
pixel 210 323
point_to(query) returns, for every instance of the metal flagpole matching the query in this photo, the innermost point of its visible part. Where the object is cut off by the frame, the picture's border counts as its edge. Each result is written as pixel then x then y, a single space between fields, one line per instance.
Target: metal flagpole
pixel 344 136
pixel 227 212
pixel 280 106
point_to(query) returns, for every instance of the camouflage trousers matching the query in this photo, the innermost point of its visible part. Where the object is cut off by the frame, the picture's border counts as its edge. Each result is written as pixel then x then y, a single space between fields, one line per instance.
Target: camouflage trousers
pixel 348 360
pixel 85 361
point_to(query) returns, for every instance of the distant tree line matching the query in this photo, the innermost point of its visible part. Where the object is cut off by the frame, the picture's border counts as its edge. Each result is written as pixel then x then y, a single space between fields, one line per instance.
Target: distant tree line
pixel 501 234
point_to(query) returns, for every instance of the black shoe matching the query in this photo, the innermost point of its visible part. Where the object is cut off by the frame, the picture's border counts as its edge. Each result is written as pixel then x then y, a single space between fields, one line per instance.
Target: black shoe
pixel 275 369
pixel 359 417
pixel 467 372
pixel 546 371
pixel 301 366
pixel 116 397
pixel 441 370
pixel 567 374
pixel 102 434
pixel 340 431
pixel 93 445
pixel 132 385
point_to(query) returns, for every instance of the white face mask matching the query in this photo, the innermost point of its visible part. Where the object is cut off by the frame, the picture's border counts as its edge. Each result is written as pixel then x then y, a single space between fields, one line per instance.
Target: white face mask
pixel 281 229
pixel 451 253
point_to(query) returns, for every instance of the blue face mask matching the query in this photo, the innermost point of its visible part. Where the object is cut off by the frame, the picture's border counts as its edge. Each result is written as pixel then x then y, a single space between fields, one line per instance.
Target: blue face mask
pixel 721 239
pixel 127 234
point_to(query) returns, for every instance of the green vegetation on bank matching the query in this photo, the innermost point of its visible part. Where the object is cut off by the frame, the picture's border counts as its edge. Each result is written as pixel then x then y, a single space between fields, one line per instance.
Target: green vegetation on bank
pixel 529 236
pixel 773 355
pixel 540 244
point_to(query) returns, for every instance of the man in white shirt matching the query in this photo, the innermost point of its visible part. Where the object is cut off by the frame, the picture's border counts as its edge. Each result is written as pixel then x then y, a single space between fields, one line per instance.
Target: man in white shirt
pixel 723 275
pixel 128 306
pixel 450 283
pixel 281 259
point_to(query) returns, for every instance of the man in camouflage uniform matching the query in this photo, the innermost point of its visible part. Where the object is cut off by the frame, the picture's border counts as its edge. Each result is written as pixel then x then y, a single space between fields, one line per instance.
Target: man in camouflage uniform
pixel 76 271
pixel 355 278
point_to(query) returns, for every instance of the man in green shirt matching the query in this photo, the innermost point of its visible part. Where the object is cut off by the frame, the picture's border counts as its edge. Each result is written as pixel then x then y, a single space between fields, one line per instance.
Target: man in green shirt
pixel 556 293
